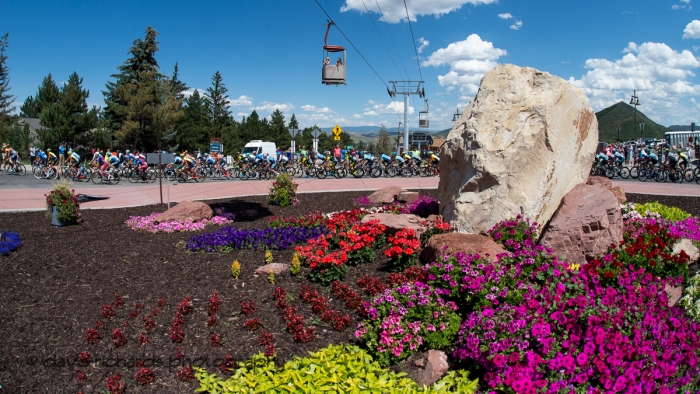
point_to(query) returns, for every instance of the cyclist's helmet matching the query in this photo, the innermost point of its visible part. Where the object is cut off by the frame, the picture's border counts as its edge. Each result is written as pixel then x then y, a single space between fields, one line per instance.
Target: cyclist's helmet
pixel 679 151
pixel 182 155
pixel 362 152
pixel 393 153
pixel 127 152
pixel 48 150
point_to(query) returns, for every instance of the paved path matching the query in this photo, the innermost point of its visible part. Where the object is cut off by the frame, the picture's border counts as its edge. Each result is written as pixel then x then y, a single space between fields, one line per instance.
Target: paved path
pixel 30 199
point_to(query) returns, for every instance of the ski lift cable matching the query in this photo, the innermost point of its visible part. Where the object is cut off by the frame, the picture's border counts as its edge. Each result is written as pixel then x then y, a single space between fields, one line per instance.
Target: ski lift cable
pixel 413 38
pixel 392 39
pixel 353 45
pixel 380 36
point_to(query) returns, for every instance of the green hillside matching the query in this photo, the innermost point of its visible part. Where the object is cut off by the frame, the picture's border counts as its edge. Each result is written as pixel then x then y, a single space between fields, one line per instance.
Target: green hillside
pixel 622 114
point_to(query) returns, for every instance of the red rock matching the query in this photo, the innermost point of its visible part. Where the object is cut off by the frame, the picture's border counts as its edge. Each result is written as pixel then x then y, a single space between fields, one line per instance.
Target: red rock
pixel 277 268
pixel 386 195
pixel 407 197
pixel 607 183
pixel 435 367
pixel 394 222
pixel 464 243
pixel 586 223
pixel 192 211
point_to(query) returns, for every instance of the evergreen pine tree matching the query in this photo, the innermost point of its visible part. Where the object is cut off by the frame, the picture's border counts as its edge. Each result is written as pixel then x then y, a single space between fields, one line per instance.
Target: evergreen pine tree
pixel 218 104
pixel 279 133
pixel 6 99
pixel 195 129
pixel 48 93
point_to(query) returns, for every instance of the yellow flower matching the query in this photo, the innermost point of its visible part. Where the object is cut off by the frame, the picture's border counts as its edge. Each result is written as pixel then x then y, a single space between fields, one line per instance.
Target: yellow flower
pixel 574 267
pixel 268 256
pixel 235 269
pixel 296 264
pixel 271 277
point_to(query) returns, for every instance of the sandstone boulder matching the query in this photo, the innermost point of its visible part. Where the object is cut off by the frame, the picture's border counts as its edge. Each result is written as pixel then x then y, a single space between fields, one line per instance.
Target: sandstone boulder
pixel 674 294
pixel 585 225
pixel 386 195
pixel 192 211
pixel 523 142
pixel 407 196
pixel 276 268
pixel 465 243
pixel 434 367
pixel 394 222
pixel 607 183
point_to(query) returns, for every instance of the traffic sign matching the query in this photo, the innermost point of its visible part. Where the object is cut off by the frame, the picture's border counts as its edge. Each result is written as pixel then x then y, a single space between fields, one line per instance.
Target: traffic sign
pixel 336 131
pixel 336 138
pixel 316 133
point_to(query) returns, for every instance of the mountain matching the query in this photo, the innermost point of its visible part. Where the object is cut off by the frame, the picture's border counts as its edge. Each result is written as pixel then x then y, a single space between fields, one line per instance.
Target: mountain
pixel 676 127
pixel 622 114
pixel 369 134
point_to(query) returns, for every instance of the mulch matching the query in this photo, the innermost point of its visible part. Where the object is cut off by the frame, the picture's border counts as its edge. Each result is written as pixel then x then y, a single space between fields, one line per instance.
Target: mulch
pixel 54 286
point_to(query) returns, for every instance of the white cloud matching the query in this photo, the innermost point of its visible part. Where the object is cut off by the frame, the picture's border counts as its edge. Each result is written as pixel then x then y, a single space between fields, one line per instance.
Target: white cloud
pixel 469 60
pixel 423 44
pixel 187 93
pixel 357 116
pixel 270 106
pixel 394 11
pixel 312 108
pixel 681 7
pixel 660 75
pixel 692 30
pixel 242 115
pixel 243 101
pixel 517 25
pixel 392 108
pixel 505 16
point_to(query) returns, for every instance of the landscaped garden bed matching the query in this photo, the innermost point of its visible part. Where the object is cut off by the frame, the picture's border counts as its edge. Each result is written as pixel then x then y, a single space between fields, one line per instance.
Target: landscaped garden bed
pixel 123 297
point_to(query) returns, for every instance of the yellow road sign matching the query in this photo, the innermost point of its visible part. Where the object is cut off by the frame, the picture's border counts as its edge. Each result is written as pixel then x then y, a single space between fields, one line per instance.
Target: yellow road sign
pixel 336 131
pixel 336 138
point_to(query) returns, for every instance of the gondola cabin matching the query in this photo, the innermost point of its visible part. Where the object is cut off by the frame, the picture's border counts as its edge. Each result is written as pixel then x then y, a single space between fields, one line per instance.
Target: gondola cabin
pixel 423 121
pixel 334 62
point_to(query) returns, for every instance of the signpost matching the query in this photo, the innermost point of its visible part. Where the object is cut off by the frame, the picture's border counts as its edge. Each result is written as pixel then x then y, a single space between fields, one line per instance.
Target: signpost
pixel 336 132
pixel 315 133
pixel 217 147
pixel 160 159
pixel 293 133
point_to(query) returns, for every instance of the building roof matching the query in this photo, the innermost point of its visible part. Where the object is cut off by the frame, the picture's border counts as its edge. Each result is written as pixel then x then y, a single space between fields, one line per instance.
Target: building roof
pixel 34 123
pixel 437 142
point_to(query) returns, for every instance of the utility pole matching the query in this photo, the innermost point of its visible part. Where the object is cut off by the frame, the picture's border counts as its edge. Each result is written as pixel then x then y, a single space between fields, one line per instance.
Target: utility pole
pixel 406 88
pixel 634 100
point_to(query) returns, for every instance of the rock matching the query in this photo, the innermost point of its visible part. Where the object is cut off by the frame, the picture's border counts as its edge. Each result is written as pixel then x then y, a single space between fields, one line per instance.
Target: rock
pixel 420 363
pixel 688 247
pixel 394 222
pixel 408 197
pixel 456 242
pixel 277 268
pixel 523 142
pixel 386 195
pixel 674 294
pixel 192 211
pixel 607 183
pixel 585 225
pixel 435 367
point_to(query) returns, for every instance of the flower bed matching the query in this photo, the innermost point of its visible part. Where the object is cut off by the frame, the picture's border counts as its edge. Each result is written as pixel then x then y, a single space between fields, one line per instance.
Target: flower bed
pixel 147 223
pixel 9 242
pixel 229 238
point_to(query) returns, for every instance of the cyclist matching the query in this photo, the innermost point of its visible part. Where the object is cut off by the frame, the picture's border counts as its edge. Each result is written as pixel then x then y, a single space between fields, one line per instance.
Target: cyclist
pixel 41 157
pixel 14 157
pixel 415 155
pixel 385 158
pixel 434 159
pixel 51 158
pixel 113 159
pixel 601 158
pixel 671 161
pixel 619 157
pixel 73 158
pixel 683 160
pixel 270 163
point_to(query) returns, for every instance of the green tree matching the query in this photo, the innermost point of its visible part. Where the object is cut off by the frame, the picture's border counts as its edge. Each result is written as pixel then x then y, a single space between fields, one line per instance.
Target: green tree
pixel 372 148
pixel 293 122
pixel 279 133
pixel 384 141
pixel 47 94
pixel 69 119
pixel 18 138
pixel 218 105
pixel 305 138
pixel 6 99
pixel 195 129
pixel 140 67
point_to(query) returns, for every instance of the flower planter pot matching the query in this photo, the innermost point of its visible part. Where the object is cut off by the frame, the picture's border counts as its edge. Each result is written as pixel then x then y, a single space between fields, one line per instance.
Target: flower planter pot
pixel 55 221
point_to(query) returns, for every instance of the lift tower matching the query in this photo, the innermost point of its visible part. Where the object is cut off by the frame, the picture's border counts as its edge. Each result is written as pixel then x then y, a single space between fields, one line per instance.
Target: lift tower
pixel 406 88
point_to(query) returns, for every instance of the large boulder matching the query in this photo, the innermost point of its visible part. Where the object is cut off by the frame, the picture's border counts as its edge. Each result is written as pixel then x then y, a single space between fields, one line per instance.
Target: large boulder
pixel 192 211
pixel 607 183
pixel 464 243
pixel 385 195
pixel 585 225
pixel 432 367
pixel 523 142
pixel 394 223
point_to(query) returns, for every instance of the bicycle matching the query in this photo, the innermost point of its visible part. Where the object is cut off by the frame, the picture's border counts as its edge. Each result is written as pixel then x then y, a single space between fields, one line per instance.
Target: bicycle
pixel 15 169
pixel 110 176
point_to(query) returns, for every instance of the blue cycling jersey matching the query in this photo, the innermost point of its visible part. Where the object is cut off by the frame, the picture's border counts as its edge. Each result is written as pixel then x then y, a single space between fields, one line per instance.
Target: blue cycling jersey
pixel 386 158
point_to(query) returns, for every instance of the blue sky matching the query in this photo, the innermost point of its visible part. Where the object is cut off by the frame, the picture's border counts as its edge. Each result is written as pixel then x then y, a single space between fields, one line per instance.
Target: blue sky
pixel 269 52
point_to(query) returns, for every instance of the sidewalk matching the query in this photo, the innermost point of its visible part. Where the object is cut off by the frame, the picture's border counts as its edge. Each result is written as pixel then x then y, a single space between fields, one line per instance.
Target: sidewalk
pixel 12 200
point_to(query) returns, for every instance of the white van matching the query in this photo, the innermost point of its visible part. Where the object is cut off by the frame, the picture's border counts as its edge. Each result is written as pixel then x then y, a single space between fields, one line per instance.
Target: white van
pixel 255 147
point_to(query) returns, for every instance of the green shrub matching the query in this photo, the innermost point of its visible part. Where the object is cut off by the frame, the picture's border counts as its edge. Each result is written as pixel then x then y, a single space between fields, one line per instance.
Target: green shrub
pixel 335 369
pixel 666 212
pixel 283 191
